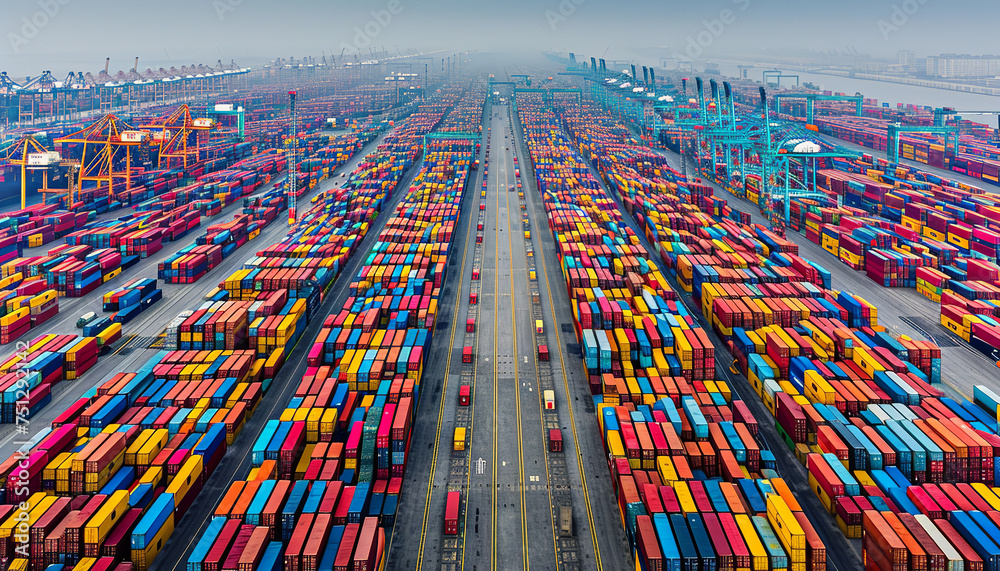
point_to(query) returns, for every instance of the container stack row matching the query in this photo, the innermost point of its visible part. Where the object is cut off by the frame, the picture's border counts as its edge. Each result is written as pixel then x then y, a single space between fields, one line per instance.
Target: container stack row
pixel 29 375
pixel 135 231
pixel 117 471
pixel 131 299
pixel 327 472
pixel 694 484
pixel 889 456
pixel 971 308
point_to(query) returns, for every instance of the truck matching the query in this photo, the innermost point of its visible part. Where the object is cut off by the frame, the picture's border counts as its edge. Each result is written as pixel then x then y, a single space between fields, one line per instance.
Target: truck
pixel 565 521
pixel 451 513
pixel 85 319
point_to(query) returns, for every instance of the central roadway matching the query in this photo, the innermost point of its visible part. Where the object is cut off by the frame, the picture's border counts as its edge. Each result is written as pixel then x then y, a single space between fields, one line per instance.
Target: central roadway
pixel 507 520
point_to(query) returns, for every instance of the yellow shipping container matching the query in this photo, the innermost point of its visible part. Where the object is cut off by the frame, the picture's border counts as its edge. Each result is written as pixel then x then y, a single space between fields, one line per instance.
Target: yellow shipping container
pixel 615 447
pixel 987 494
pixel 684 498
pixel 758 555
pixel 110 512
pixel 818 390
pixel 867 363
pixel 156 443
pixel 38 503
pixel 665 467
pixel 51 470
pixel 313 421
pixel 304 460
pixel 188 474
pixel 143 558
pixel 785 526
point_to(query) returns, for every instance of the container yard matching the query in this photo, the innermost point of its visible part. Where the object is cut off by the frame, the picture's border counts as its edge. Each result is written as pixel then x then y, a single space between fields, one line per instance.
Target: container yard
pixel 414 310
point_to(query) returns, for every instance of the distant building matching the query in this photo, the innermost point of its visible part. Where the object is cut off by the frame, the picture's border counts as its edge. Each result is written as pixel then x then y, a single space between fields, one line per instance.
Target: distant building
pixel 963 66
pixel 906 58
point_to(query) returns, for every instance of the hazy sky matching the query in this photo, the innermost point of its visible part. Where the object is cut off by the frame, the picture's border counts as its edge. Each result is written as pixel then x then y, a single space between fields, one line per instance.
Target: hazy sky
pixel 78 34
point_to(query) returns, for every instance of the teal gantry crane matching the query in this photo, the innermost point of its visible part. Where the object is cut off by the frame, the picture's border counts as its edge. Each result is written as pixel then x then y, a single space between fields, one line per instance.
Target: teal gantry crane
pixel 894 130
pixel 811 98
pixel 777 75
pixel 230 110
pixel 783 154
pixel 941 112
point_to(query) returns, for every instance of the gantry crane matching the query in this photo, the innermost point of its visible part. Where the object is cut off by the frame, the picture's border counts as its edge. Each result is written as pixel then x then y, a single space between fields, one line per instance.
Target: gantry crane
pixel 523 76
pixel 941 112
pixel 107 151
pixel 894 129
pixel 782 153
pixel 228 109
pixel 173 134
pixel 783 149
pixel 548 93
pixel 71 190
pixel 777 76
pixel 811 98
pixel 30 155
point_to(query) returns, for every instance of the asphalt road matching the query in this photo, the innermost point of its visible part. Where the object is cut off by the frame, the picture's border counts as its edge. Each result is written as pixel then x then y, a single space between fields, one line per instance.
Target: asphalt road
pixel 505 495
pixel 176 298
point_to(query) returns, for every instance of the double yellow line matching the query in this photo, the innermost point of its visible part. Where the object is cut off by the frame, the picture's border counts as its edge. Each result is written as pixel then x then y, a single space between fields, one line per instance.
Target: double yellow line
pixel 517 392
pixel 517 383
pixel 541 417
pixel 496 341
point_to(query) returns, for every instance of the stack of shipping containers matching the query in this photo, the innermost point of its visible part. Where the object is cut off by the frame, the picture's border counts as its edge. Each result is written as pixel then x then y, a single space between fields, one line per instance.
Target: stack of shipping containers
pixel 890 457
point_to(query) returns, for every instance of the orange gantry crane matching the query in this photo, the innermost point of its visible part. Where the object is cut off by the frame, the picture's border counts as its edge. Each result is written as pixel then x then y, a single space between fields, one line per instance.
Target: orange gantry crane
pixel 107 152
pixel 177 136
pixel 30 155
